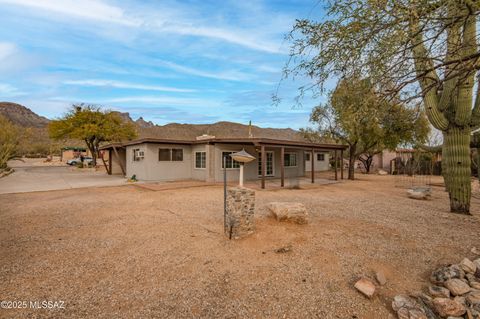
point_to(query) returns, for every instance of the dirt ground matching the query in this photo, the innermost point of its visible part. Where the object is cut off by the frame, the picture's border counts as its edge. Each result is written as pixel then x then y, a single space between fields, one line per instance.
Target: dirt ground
pixel 130 252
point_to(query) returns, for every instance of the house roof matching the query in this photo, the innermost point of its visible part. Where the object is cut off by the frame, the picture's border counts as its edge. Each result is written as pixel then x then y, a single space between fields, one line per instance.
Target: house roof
pixel 253 141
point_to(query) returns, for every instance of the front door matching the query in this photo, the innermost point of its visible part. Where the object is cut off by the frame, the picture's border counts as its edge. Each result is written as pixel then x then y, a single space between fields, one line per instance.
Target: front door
pixel 269 168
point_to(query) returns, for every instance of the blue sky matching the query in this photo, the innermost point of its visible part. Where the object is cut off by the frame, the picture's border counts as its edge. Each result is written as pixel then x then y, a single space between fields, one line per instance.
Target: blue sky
pixel 168 61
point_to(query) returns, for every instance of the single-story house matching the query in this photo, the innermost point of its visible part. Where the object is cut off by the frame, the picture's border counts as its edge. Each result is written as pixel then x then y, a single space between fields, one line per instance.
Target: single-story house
pixel 153 159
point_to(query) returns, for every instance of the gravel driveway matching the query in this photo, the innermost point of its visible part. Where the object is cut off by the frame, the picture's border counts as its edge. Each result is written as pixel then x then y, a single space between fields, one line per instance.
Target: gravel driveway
pixel 45 178
pixel 129 252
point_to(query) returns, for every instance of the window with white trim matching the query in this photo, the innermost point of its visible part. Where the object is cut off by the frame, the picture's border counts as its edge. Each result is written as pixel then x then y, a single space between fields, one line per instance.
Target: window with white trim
pixel 320 157
pixel 307 156
pixel 200 159
pixel 230 163
pixel 290 159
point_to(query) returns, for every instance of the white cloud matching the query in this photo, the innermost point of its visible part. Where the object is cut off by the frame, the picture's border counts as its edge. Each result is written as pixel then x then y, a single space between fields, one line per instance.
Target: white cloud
pixel 227 75
pixel 6 50
pixel 125 85
pixel 85 9
pixel 236 37
pixel 160 100
pixel 179 21
pixel 7 90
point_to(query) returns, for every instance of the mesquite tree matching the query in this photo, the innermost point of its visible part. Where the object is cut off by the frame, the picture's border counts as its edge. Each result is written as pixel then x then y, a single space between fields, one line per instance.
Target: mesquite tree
pixel 356 116
pixel 415 49
pixel 93 126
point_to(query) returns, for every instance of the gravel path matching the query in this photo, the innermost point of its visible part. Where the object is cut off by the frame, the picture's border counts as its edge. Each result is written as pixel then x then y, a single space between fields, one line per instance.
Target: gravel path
pixel 128 252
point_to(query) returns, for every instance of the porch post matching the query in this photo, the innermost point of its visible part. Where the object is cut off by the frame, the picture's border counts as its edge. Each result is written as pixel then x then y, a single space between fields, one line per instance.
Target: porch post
pixel 264 164
pixel 336 166
pixel 282 166
pixel 341 164
pixel 313 166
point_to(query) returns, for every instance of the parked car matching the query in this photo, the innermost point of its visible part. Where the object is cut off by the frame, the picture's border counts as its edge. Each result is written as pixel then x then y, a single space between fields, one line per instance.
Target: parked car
pixel 75 161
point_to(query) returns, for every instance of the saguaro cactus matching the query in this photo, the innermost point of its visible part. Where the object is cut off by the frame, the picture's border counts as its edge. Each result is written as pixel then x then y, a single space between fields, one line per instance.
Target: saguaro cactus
pixel 450 110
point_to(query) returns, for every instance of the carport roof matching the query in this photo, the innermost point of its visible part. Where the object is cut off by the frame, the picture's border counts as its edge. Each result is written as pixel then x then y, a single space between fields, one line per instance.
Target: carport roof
pixel 253 141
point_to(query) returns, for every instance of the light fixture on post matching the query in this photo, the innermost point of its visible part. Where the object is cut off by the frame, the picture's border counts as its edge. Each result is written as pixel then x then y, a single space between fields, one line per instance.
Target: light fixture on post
pixel 242 157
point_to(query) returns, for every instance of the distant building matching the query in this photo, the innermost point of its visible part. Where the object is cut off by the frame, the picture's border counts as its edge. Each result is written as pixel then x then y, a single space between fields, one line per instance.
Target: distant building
pixel 70 152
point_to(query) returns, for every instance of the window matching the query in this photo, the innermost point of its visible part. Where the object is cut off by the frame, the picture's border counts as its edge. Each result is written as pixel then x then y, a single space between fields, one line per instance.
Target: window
pixel 290 159
pixel 177 154
pixel 229 160
pixel 170 154
pixel 320 157
pixel 164 154
pixel 307 156
pixel 200 159
pixel 138 154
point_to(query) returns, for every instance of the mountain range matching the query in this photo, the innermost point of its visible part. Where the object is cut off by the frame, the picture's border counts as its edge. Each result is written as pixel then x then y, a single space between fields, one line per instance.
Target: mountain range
pixel 23 116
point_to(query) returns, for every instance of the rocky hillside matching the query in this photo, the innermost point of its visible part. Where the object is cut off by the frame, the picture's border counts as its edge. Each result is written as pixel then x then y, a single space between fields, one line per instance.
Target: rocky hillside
pixel 22 116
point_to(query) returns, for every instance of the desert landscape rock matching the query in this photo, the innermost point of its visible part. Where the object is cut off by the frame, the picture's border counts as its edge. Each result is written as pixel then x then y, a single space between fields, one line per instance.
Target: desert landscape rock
pixel 286 211
pixel 408 308
pixel 436 291
pixel 366 287
pixel 448 307
pixel 457 287
pixel 419 193
pixel 445 273
pixel 468 266
pixel 380 276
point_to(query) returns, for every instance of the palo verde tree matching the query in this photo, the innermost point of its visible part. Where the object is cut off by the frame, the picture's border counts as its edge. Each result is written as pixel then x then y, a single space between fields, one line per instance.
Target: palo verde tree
pixel 425 49
pixel 93 126
pixel 356 116
pixel 10 136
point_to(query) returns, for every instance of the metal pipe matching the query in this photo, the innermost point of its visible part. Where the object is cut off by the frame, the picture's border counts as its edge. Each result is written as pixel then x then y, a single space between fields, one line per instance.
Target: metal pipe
pixel 224 192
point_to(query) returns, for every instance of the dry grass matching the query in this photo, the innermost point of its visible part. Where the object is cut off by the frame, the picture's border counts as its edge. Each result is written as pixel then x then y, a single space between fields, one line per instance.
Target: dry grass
pixel 136 253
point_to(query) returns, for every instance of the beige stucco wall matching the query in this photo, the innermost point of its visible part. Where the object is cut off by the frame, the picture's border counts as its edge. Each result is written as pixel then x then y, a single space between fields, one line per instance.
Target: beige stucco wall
pixel 319 165
pixel 150 169
pixel 251 169
pixel 137 168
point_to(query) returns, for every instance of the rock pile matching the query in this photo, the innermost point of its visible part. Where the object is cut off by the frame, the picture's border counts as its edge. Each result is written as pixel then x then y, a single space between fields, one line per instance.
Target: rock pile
pixel 453 294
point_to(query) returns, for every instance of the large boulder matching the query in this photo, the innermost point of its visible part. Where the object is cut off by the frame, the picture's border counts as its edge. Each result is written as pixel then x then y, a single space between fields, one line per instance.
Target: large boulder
pixel 286 211
pixel 419 192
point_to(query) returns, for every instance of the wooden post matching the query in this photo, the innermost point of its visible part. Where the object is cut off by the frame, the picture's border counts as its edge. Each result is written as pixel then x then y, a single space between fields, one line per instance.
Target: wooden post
pixel 341 164
pixel 313 166
pixel 119 160
pixel 264 164
pixel 282 166
pixel 336 166
pixel 107 168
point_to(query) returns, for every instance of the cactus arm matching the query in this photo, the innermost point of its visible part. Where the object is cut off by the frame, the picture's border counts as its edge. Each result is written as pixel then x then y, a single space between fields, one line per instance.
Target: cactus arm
pixel 475 121
pixel 465 90
pixel 453 43
pixel 427 81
